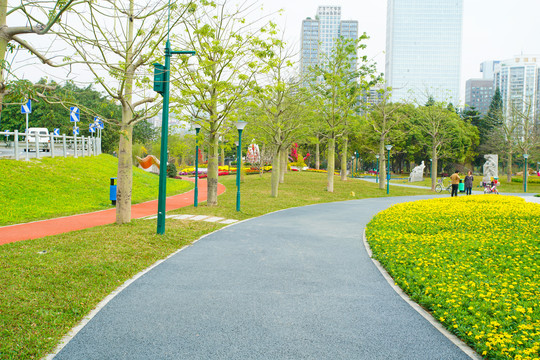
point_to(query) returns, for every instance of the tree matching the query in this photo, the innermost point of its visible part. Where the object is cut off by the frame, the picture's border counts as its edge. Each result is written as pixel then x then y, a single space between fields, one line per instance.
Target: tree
pixel 436 127
pixel 337 86
pixel 281 103
pixel 383 119
pixel 229 54
pixel 120 59
pixel 40 16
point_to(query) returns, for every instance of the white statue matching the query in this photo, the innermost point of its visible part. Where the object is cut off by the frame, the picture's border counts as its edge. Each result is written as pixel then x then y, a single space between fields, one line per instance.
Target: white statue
pixel 417 174
pixel 491 167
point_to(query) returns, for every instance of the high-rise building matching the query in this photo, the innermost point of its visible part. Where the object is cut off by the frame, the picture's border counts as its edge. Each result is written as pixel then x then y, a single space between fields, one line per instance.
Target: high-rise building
pixel 519 82
pixel 319 35
pixel 478 94
pixel 423 49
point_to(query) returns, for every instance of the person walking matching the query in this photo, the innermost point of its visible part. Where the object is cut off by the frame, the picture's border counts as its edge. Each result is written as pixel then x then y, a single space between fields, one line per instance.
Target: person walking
pixel 469 183
pixel 455 183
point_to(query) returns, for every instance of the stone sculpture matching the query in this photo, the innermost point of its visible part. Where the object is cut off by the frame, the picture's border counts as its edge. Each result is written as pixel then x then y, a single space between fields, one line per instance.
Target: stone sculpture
pixel 417 174
pixel 491 167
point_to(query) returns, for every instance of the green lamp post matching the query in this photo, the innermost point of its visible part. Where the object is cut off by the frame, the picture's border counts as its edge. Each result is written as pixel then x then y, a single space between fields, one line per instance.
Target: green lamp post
pixel 240 125
pixel 378 165
pixel 525 172
pixel 388 148
pixel 197 127
pixel 354 165
pixel 161 86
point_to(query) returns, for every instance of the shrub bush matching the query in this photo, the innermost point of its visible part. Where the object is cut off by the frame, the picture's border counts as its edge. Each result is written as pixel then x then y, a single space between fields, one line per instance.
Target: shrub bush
pixel 171 170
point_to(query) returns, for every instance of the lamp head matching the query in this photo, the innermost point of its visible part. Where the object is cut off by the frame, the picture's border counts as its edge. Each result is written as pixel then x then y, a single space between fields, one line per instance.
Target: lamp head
pixel 526 156
pixel 197 126
pixel 388 147
pixel 377 156
pixel 240 125
pixel 193 64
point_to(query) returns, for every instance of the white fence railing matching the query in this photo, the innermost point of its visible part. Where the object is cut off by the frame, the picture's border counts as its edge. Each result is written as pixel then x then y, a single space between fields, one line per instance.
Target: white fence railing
pixel 16 145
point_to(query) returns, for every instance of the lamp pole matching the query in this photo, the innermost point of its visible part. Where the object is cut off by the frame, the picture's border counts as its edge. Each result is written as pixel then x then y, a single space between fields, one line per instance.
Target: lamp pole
pixel 377 174
pixel 353 165
pixel 196 197
pixel 525 173
pixel 388 147
pixel 162 85
pixel 240 125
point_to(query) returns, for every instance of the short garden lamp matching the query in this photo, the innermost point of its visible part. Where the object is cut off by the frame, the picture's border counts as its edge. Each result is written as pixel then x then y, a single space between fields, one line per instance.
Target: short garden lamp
pixel 197 127
pixel 525 172
pixel 377 174
pixel 353 164
pixel 388 148
pixel 240 125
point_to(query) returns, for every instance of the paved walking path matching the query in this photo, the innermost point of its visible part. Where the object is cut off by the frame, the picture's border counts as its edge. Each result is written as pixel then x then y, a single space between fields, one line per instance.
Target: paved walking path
pixel 295 284
pixel 39 229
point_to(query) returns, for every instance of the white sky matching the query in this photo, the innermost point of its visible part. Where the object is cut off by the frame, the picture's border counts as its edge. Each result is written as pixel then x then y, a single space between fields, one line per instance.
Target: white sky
pixel 492 29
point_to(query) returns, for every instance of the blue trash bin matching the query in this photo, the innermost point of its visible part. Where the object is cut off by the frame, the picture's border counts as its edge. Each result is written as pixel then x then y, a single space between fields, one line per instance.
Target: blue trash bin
pixel 112 193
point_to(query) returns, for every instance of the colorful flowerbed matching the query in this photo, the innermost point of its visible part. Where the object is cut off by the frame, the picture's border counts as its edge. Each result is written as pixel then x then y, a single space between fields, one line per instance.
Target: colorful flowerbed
pixel 473 262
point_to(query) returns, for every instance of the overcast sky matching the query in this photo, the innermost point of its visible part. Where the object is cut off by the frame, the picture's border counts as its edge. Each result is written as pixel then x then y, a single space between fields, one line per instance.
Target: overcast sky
pixel 492 29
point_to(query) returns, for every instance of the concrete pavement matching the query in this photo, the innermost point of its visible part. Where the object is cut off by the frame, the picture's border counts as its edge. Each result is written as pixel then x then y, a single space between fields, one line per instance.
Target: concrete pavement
pixel 295 284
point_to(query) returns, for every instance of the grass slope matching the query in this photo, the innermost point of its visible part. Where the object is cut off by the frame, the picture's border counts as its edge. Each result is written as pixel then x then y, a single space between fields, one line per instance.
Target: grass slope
pixel 47 188
pixel 43 295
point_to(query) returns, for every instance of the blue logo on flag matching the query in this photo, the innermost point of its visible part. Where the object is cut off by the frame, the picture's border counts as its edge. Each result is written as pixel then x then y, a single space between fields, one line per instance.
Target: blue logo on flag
pixel 27 108
pixel 56 131
pixel 73 114
pixel 92 128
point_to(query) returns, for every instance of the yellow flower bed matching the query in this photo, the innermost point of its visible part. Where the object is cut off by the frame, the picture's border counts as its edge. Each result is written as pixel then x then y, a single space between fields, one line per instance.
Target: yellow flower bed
pixel 473 262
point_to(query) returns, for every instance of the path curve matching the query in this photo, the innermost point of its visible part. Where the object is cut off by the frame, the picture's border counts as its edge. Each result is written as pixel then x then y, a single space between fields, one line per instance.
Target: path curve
pixel 42 228
pixel 294 284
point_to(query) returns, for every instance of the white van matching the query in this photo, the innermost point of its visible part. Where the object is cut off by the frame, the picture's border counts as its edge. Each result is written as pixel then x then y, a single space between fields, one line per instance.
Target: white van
pixel 44 140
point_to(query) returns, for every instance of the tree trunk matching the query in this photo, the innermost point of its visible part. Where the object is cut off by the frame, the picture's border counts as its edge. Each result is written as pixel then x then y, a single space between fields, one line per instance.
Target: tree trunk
pixel 125 156
pixel 509 167
pixel 212 170
pixel 276 164
pixel 3 50
pixel 331 163
pixel 283 163
pixel 317 154
pixel 125 172
pixel 434 165
pixel 222 160
pixel 344 160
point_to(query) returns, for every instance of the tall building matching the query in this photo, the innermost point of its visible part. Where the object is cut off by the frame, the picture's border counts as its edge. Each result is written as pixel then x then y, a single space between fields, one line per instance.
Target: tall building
pixel 478 94
pixel 319 35
pixel 423 49
pixel 519 82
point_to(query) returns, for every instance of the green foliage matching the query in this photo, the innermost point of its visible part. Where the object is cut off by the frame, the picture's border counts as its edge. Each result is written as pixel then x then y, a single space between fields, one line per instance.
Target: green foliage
pixel 171 170
pixel 46 188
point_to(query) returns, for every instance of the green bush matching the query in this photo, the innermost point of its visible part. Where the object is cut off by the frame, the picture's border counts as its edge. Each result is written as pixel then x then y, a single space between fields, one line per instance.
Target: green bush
pixel 171 170
pixel 531 179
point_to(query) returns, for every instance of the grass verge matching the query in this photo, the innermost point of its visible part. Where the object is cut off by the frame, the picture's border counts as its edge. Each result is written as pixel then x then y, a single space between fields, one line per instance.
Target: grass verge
pixel 46 188
pixel 48 285
pixel 473 262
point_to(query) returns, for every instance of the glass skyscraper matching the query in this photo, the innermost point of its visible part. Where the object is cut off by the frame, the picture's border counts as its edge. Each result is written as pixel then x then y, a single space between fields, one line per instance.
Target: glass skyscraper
pixel 319 35
pixel 423 49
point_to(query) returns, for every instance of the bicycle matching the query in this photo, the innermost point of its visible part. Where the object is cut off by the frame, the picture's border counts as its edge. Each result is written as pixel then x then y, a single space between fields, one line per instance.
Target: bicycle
pixel 441 186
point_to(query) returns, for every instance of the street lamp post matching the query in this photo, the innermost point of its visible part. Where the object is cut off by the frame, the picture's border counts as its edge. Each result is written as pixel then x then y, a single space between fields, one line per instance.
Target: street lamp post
pixel 161 85
pixel 353 165
pixel 388 147
pixel 240 125
pixel 378 165
pixel 196 197
pixel 357 155
pixel 525 173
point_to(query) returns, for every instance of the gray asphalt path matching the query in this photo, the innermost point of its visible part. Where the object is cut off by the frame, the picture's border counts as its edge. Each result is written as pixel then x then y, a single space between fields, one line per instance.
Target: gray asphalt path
pixel 296 284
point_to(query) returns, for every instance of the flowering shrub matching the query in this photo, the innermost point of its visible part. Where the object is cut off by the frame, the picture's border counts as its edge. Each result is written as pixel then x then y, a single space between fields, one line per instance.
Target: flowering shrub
pixel 474 262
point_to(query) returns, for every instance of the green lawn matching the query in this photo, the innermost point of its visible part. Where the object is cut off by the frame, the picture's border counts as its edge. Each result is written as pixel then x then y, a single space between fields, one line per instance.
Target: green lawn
pixel 46 188
pixel 48 285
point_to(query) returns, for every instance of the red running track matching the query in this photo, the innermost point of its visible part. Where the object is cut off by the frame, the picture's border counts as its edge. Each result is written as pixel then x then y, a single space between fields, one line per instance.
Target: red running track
pixel 39 229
